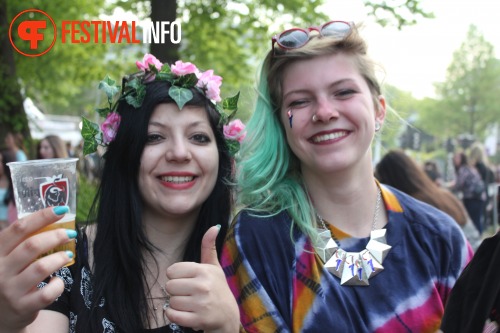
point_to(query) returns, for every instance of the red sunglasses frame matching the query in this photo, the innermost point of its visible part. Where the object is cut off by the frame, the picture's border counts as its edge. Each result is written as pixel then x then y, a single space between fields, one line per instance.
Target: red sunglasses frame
pixel 307 31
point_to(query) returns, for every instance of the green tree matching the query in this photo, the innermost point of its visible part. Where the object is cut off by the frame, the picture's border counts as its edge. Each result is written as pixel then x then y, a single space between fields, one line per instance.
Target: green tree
pixel 469 96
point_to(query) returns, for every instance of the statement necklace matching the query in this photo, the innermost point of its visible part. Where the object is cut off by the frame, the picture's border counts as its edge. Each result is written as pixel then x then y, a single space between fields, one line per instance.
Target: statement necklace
pixel 353 268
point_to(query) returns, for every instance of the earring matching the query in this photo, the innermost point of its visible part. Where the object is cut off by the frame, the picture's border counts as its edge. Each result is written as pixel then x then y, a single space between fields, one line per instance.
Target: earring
pixel 377 126
pixel 290 117
pixel 314 118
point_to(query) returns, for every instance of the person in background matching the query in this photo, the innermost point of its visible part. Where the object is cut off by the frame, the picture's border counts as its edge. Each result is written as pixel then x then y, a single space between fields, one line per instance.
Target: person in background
pixel 470 186
pixel 479 159
pixel 150 261
pixel 400 171
pixel 432 170
pixel 52 146
pixel 70 149
pixel 320 245
pixel 8 197
pixel 4 189
pixel 14 142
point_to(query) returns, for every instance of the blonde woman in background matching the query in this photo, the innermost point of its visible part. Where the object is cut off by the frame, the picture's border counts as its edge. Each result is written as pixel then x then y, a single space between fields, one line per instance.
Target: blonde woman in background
pixel 52 146
pixel 479 159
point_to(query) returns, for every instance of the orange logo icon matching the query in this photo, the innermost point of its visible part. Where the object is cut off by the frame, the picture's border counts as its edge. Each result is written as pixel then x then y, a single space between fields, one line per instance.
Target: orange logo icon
pixel 30 34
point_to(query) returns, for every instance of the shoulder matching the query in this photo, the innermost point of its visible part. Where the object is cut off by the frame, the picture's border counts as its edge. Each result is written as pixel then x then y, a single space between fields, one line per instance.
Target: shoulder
pixel 21 156
pixel 421 228
pixel 262 232
pixel 420 215
pixel 262 225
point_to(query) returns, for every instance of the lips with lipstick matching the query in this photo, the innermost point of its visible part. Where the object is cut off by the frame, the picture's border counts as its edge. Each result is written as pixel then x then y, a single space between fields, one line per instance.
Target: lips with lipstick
pixel 179 181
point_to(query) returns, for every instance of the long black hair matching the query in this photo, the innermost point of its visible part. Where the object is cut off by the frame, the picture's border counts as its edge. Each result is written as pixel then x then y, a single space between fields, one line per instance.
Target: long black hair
pixel 120 242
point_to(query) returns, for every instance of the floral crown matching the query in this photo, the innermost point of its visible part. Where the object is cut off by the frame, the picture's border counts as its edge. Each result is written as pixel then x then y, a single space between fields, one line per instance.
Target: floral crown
pixel 182 76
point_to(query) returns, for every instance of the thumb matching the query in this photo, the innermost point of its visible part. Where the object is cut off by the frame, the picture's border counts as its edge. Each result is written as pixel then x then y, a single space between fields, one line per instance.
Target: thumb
pixel 208 248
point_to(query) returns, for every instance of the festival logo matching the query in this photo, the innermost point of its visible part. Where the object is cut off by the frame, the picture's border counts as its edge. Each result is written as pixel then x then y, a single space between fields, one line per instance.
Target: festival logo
pixel 33 32
pixel 55 191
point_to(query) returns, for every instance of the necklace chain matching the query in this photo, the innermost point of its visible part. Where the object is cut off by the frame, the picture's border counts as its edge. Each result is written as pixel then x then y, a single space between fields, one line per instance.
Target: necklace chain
pixel 375 214
pixel 166 304
pixel 353 268
pixel 165 298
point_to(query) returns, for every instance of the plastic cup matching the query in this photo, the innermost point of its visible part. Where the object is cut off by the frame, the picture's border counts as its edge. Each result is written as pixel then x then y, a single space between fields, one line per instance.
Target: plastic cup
pixel 47 183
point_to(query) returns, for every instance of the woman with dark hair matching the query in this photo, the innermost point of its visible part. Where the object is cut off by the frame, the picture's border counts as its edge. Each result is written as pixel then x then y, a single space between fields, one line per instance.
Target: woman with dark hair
pixel 400 171
pixel 52 146
pixel 150 262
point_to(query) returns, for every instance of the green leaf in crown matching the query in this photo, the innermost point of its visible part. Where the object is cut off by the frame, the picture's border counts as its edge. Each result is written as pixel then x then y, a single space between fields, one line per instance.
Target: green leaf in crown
pixel 89 132
pixel 231 104
pixel 109 86
pixel 233 146
pixel 180 95
pixel 186 81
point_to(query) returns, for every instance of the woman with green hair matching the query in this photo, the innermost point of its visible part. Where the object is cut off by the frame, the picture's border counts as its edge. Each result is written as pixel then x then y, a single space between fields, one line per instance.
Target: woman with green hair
pixel 320 245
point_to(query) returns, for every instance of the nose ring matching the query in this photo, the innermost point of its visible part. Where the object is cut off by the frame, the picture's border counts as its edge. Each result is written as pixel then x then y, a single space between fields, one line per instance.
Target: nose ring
pixel 314 118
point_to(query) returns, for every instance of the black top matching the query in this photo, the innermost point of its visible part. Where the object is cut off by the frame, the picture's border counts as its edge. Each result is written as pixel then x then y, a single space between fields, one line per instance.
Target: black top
pixel 76 298
pixel 475 298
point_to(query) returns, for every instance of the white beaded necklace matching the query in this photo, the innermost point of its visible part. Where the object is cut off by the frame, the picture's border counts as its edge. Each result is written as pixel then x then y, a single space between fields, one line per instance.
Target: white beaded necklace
pixel 353 268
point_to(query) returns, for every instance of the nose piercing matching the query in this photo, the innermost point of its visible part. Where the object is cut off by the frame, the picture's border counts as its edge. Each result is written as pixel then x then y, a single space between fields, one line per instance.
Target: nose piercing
pixel 314 118
pixel 290 117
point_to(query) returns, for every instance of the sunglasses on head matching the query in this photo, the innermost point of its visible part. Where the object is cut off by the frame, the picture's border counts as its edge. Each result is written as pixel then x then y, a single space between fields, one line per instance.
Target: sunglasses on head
pixel 297 37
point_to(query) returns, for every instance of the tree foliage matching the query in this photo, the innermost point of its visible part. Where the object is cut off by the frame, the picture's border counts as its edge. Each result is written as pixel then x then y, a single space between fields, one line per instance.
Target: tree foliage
pixel 469 96
pixel 396 12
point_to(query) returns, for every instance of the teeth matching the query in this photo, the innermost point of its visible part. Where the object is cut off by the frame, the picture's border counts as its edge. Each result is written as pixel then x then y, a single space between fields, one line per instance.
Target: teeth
pixel 330 136
pixel 178 180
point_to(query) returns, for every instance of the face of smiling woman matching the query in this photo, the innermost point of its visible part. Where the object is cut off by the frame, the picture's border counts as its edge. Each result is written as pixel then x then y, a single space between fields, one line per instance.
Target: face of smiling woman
pixel 46 150
pixel 180 161
pixel 331 88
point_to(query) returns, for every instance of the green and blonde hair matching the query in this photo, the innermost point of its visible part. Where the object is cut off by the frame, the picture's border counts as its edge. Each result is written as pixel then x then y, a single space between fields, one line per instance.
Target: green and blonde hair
pixel 269 176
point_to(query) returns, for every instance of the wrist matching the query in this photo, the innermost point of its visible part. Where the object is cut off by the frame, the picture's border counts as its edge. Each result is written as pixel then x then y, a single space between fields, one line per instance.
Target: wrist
pixel 230 327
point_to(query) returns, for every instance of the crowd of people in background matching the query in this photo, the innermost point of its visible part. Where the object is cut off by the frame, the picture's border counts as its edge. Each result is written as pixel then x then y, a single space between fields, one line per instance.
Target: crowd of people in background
pixel 474 184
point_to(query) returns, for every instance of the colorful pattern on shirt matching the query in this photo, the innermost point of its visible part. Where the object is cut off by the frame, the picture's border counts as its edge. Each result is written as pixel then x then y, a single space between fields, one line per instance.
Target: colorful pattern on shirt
pixel 281 285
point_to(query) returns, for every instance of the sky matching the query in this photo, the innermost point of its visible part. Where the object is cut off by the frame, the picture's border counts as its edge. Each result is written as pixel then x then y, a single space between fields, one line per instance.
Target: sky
pixel 417 56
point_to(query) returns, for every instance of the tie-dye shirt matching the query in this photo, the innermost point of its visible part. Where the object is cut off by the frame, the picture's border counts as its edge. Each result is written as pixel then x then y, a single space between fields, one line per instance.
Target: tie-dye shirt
pixel 281 284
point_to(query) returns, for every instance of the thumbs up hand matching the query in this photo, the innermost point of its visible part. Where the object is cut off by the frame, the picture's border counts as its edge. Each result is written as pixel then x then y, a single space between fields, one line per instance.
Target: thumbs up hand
pixel 199 295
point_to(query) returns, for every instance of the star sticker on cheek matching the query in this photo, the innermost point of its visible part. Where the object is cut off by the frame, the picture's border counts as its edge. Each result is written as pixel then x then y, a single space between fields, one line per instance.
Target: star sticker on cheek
pixel 290 117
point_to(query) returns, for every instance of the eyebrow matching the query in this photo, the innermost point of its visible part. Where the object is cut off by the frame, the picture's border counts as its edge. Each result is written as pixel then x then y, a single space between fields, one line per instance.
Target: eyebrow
pixel 190 125
pixel 332 85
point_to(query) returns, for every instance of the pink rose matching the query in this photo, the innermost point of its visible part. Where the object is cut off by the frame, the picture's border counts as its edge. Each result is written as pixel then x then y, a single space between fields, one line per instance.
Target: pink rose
pixel 148 59
pixel 211 84
pixel 110 126
pixel 183 68
pixel 235 130
pixel 143 65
